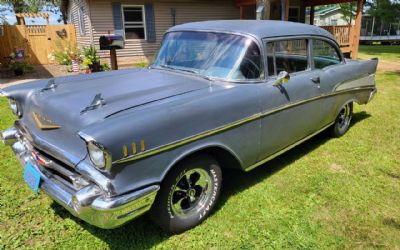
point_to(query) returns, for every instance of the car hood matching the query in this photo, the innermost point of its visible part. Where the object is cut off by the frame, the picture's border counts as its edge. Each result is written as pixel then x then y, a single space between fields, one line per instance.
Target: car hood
pixel 65 104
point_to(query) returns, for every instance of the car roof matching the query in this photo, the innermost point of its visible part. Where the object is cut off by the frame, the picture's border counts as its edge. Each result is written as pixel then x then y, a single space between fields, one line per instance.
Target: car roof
pixel 256 28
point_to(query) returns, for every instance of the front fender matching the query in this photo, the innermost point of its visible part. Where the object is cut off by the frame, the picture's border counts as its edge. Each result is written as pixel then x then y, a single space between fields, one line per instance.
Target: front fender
pixel 202 147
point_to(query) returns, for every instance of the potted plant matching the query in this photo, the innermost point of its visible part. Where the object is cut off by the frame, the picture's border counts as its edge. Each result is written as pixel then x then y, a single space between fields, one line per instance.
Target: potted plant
pixel 91 60
pixel 19 67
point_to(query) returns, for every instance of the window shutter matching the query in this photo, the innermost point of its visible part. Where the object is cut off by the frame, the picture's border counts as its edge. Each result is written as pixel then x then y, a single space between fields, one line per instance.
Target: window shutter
pixel 117 17
pixel 150 23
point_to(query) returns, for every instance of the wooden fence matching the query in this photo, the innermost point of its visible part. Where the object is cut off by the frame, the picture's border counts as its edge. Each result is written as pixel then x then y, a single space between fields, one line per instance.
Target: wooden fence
pixel 344 35
pixel 38 41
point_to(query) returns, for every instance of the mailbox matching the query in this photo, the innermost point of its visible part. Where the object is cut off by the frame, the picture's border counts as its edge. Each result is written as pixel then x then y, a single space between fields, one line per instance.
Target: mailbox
pixel 111 42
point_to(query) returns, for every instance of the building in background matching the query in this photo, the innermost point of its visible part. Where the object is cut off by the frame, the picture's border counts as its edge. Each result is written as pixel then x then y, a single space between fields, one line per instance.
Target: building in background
pixel 329 16
pixel 142 23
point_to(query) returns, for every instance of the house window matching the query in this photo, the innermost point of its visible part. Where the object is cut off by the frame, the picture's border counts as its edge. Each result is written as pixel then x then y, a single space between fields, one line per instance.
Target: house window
pixel 81 21
pixel 294 14
pixel 134 22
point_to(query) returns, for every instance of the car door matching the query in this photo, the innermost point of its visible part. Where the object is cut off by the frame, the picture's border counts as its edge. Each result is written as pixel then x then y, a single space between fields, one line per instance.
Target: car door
pixel 329 67
pixel 291 111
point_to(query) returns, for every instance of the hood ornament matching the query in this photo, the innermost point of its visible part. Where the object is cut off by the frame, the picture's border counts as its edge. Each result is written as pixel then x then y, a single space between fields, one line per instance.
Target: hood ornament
pixel 97 102
pixel 44 123
pixel 51 84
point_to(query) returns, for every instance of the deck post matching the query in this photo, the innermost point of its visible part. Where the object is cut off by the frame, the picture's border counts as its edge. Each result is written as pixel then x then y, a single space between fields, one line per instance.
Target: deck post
pixel 357 30
pixel 284 10
pixel 287 5
pixel 312 15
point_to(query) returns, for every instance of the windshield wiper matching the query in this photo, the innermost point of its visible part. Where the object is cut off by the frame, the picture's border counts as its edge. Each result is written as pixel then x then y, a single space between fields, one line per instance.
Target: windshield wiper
pixel 165 66
pixel 177 68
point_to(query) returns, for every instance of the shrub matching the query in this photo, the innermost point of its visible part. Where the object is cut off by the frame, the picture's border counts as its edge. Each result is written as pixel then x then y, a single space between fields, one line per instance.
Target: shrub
pixel 91 59
pixel 66 56
pixel 105 67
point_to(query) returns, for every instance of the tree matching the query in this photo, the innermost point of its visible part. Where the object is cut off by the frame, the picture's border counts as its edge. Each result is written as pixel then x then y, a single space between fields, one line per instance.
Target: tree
pixel 30 6
pixel 347 10
pixel 388 11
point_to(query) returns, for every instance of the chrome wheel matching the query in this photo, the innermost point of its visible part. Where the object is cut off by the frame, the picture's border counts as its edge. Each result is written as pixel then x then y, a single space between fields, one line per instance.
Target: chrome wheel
pixel 191 192
pixel 344 117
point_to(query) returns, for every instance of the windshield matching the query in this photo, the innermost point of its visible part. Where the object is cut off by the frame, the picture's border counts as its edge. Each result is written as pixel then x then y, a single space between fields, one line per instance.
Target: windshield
pixel 213 55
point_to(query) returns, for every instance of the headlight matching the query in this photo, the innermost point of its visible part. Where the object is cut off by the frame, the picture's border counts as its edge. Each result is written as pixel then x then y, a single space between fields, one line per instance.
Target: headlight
pixel 15 108
pixel 97 155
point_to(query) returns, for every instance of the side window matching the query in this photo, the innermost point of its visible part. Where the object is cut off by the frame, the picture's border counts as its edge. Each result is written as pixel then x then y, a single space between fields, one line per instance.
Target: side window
pixel 324 54
pixel 287 55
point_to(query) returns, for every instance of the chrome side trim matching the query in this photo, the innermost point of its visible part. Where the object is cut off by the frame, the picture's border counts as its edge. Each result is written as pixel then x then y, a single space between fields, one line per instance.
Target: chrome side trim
pixel 287 148
pixel 364 80
pixel 202 135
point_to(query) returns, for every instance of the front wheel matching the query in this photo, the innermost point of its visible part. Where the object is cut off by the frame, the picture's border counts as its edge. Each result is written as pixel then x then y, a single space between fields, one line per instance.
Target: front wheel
pixel 188 194
pixel 342 122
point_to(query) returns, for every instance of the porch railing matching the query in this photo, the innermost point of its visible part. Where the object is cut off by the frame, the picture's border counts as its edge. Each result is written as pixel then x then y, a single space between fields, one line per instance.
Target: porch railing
pixel 344 35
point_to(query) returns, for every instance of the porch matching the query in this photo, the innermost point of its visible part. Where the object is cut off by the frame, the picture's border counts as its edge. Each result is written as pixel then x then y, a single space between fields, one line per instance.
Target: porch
pixel 295 11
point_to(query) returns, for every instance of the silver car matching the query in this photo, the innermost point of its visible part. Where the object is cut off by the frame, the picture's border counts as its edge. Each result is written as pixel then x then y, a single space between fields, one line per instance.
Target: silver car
pixel 219 95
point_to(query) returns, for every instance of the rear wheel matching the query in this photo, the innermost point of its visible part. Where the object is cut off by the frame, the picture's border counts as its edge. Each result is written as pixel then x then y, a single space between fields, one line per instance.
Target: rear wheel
pixel 342 122
pixel 188 194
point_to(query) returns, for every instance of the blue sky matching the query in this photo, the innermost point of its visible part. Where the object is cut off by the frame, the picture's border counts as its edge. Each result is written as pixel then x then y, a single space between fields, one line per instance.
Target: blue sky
pixel 10 17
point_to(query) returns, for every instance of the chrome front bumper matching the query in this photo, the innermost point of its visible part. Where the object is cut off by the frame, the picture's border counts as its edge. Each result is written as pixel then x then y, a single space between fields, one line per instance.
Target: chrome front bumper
pixel 89 202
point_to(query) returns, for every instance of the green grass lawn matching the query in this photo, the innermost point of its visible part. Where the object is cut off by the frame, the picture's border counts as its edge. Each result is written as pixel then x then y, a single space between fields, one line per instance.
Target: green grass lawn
pixel 325 193
pixel 383 52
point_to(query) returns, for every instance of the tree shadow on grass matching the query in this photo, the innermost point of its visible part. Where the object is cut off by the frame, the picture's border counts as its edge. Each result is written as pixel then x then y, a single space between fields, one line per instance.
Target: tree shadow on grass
pixel 142 233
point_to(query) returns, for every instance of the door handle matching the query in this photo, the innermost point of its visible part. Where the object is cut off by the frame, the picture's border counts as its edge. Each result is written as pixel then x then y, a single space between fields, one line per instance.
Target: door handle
pixel 316 79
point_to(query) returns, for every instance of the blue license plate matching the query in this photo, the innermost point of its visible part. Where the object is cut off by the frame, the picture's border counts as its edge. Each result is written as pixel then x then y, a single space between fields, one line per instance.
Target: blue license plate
pixel 32 177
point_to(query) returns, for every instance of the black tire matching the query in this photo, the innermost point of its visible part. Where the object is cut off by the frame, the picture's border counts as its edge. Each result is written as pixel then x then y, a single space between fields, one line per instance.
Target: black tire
pixel 342 121
pixel 182 202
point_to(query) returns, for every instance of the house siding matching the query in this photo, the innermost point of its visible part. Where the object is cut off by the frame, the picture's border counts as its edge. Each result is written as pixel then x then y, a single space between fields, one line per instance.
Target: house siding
pixel 83 40
pixel 185 11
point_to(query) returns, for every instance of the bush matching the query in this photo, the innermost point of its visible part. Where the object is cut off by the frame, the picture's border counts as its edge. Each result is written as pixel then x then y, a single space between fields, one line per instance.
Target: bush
pixel 20 68
pixel 66 56
pixel 105 67
pixel 91 59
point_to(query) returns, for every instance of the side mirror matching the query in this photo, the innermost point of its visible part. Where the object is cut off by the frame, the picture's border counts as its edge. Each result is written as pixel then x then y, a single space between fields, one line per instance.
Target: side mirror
pixel 283 77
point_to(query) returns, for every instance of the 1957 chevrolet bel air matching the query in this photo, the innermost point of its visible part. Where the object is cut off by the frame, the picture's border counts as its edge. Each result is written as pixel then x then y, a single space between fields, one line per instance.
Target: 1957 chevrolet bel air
pixel 219 95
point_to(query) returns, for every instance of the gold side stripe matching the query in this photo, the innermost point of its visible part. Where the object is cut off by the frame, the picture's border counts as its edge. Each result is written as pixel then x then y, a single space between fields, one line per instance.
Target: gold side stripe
pixel 202 135
pixel 43 126
pixel 287 148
